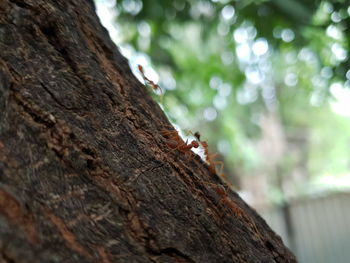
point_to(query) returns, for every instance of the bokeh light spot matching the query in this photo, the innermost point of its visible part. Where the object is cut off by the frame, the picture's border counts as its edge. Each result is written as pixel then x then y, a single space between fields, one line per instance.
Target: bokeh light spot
pixel 260 47
pixel 210 114
pixel 287 35
pixel 228 12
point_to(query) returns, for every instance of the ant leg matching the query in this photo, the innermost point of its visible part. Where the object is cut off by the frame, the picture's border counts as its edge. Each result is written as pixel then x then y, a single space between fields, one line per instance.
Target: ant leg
pixel 166 132
pixel 171 134
pixel 227 181
pixel 189 132
pixel 174 145
pixel 210 158
pixel 191 155
pixel 221 164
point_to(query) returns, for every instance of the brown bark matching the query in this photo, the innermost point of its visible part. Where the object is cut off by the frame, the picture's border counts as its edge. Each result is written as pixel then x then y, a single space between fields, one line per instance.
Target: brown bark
pixel 85 175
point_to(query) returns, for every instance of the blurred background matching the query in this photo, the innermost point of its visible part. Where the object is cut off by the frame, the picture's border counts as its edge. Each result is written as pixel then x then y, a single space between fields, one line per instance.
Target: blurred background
pixel 267 84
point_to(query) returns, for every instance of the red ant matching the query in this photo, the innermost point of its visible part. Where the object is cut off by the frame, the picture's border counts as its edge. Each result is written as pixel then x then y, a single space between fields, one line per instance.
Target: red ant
pixel 175 142
pixel 149 82
pixel 209 158
pixel 221 191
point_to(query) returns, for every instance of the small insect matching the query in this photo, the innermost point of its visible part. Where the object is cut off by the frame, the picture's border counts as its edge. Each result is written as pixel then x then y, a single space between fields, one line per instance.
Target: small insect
pixel 224 198
pixel 149 82
pixel 175 142
pixel 209 158
pixel 221 191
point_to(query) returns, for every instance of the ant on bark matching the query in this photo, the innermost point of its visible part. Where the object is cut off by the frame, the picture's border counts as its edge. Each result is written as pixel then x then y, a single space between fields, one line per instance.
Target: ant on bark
pixel 149 82
pixel 222 192
pixel 175 142
pixel 224 198
pixel 209 158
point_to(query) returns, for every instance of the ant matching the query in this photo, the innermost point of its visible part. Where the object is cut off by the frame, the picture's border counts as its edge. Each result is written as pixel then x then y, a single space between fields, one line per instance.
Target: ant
pixel 175 142
pixel 149 82
pixel 209 158
pixel 224 198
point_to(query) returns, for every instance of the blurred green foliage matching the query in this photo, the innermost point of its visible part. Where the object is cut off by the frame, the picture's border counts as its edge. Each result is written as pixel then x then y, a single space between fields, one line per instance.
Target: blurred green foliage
pixel 226 65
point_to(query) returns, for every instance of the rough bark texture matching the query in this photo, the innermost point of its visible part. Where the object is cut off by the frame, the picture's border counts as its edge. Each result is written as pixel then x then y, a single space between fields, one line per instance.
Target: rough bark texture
pixel 85 175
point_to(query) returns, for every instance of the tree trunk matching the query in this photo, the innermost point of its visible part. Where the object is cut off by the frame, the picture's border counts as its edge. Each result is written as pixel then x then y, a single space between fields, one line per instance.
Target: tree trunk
pixel 85 174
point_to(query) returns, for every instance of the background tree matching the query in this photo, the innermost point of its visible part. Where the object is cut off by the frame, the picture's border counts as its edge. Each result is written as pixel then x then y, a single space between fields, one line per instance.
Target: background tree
pixel 85 173
pixel 232 67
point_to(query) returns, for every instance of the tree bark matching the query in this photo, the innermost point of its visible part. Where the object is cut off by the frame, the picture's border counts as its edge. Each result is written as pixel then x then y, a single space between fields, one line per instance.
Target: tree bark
pixel 85 175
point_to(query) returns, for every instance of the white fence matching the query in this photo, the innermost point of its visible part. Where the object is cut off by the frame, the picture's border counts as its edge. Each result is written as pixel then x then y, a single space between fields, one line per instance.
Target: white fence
pixel 317 230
